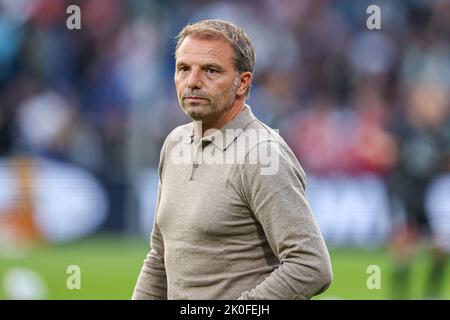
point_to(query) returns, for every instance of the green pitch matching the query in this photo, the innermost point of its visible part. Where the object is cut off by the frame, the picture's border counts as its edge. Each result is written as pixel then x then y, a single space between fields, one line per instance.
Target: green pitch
pixel 110 265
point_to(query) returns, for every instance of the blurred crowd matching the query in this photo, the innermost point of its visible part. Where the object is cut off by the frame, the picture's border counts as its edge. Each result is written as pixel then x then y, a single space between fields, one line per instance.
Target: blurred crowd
pixel 348 100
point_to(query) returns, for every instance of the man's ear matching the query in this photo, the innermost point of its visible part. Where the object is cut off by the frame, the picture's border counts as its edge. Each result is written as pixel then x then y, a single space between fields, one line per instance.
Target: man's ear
pixel 245 80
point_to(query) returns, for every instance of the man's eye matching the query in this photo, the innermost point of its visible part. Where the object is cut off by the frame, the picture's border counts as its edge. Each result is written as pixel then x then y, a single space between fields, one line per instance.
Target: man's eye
pixel 183 69
pixel 211 70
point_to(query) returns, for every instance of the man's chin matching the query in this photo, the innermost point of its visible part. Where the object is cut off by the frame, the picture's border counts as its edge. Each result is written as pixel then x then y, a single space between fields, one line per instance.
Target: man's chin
pixel 197 112
pixel 197 116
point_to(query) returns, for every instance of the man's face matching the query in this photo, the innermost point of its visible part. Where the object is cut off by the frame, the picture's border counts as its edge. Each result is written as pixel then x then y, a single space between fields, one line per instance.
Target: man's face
pixel 205 78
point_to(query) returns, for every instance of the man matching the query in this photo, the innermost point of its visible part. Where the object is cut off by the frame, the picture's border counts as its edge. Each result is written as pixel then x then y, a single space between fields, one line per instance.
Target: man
pixel 422 157
pixel 229 224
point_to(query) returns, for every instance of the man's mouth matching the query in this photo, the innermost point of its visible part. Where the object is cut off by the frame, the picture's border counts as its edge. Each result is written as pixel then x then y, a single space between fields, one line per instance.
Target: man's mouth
pixel 195 99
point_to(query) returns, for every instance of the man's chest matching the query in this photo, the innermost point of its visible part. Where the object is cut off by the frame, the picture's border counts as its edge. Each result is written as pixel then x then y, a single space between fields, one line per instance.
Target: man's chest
pixel 202 202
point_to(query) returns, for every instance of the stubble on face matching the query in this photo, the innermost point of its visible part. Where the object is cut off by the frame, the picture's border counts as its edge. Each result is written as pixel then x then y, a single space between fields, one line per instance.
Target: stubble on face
pixel 206 79
pixel 215 108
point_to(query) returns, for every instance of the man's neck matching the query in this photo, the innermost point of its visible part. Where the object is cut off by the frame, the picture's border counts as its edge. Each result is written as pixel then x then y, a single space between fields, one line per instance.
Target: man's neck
pixel 200 127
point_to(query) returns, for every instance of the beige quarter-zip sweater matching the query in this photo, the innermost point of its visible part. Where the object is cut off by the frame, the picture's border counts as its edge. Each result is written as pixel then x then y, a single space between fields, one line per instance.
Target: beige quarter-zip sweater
pixel 232 219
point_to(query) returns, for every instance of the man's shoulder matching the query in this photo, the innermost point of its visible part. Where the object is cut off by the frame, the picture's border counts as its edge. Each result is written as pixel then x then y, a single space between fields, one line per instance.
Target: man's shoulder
pixel 182 131
pixel 178 134
pixel 265 141
pixel 260 133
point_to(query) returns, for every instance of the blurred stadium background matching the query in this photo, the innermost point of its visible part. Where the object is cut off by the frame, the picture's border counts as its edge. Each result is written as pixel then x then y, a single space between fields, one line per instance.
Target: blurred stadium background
pixel 83 115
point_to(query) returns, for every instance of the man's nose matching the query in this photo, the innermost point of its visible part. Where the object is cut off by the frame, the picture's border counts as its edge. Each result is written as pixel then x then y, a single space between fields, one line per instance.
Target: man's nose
pixel 195 80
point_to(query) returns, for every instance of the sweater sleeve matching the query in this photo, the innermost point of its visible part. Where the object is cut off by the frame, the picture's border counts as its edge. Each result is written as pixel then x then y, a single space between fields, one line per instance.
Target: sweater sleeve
pixel 152 281
pixel 276 197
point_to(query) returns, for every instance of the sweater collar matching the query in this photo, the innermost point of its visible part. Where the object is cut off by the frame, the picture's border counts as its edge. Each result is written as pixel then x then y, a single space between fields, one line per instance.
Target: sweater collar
pixel 225 136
